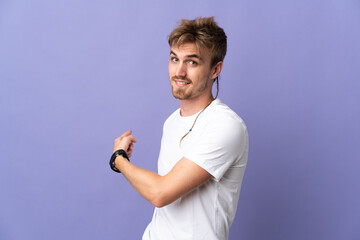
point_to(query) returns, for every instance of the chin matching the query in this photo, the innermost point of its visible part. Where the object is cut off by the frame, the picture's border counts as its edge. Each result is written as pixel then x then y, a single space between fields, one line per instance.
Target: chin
pixel 180 95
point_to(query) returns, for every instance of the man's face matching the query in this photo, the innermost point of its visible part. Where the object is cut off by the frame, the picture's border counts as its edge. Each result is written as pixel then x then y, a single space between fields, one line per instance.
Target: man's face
pixel 189 72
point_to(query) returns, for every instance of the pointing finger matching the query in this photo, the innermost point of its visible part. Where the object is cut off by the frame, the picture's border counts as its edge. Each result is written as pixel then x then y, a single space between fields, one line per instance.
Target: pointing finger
pixel 127 133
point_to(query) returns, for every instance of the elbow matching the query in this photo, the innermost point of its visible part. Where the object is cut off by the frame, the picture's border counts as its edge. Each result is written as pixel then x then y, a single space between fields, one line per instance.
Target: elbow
pixel 158 203
pixel 159 199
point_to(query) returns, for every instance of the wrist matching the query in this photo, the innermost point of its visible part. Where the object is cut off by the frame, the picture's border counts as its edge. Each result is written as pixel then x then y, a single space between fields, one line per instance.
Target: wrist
pixel 118 153
pixel 118 160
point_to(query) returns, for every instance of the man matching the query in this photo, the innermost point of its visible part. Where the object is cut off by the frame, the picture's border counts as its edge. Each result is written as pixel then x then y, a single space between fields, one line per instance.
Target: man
pixel 204 146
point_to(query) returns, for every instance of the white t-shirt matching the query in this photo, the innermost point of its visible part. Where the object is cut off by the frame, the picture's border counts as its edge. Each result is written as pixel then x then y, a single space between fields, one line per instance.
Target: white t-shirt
pixel 218 143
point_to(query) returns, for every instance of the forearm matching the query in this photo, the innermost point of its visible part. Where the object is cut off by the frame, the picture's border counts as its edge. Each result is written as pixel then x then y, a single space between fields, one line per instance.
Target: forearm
pixel 147 183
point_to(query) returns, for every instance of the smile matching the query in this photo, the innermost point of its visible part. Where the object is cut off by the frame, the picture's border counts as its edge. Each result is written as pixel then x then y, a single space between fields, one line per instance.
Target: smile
pixel 181 83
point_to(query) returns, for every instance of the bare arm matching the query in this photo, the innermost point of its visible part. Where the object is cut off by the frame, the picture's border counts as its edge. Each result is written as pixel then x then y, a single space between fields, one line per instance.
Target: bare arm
pixel 159 190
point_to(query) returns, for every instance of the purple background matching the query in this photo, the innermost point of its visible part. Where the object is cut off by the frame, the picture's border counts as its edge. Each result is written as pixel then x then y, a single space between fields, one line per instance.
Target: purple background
pixel 76 74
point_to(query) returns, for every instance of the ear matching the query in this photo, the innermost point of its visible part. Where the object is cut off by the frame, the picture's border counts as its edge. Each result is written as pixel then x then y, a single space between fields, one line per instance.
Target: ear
pixel 216 70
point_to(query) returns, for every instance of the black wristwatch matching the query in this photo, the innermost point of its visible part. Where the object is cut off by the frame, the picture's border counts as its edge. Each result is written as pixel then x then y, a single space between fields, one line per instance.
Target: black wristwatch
pixel 114 156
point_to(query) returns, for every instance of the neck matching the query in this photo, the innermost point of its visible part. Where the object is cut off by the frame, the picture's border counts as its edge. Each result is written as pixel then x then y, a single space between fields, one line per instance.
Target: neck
pixel 189 107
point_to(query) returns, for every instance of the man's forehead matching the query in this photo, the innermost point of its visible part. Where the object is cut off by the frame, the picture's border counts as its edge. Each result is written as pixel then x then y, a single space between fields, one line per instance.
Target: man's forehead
pixel 188 49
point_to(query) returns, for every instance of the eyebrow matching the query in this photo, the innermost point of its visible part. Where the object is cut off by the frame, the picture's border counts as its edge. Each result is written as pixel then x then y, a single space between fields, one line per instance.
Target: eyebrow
pixel 188 56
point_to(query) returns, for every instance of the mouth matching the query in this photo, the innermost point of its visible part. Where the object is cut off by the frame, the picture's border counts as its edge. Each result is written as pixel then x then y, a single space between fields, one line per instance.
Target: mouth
pixel 181 82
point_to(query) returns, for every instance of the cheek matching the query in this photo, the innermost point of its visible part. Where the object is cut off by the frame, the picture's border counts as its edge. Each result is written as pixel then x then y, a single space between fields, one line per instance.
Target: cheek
pixel 200 76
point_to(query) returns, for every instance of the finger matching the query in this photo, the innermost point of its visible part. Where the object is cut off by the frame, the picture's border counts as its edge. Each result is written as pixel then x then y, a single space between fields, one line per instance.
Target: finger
pixel 129 153
pixel 131 147
pixel 131 138
pixel 127 133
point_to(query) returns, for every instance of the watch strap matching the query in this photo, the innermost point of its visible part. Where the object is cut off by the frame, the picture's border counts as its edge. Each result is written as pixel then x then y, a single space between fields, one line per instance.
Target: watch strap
pixel 114 156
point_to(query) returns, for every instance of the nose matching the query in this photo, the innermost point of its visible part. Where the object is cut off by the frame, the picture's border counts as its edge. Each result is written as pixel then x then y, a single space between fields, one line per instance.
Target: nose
pixel 181 70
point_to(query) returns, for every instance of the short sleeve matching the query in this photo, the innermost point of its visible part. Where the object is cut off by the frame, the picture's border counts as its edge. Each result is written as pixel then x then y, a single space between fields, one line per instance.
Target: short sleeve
pixel 217 146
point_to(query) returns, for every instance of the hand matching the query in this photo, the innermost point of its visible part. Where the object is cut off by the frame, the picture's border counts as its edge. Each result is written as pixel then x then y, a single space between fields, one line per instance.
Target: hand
pixel 125 142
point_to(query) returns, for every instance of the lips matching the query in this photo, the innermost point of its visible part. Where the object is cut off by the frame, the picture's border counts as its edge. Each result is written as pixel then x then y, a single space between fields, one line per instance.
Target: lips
pixel 181 82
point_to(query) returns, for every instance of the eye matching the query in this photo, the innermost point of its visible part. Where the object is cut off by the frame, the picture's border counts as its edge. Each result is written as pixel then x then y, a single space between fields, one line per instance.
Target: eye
pixel 174 59
pixel 192 62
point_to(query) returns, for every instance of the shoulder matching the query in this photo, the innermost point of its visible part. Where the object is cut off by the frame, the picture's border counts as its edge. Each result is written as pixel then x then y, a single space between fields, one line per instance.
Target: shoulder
pixel 172 117
pixel 221 116
pixel 220 128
